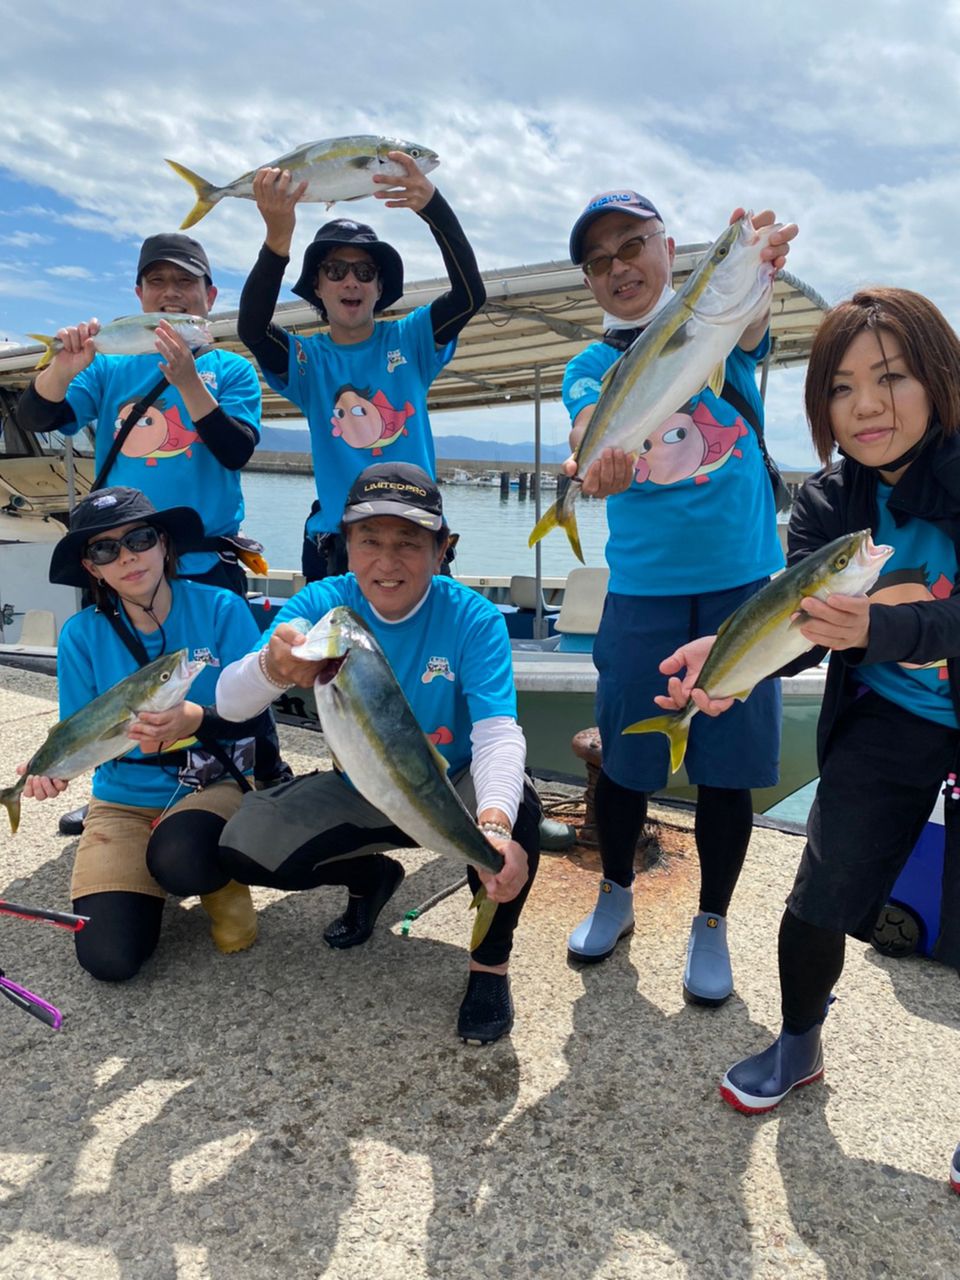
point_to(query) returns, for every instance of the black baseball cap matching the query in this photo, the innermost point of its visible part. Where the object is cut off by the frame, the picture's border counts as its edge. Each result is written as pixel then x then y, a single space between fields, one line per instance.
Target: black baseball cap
pixel 629 202
pixel 344 231
pixel 395 489
pixel 174 247
pixel 106 509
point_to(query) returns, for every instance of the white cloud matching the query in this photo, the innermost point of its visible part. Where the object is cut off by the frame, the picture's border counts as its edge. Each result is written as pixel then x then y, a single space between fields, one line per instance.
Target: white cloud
pixel 70 273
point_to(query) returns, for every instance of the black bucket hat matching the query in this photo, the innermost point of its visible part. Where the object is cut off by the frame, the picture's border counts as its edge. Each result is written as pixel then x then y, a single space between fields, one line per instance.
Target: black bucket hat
pixel 343 231
pixel 106 509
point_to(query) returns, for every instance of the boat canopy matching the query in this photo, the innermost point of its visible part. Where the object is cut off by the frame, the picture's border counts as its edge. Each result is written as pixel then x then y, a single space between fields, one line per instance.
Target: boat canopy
pixel 514 350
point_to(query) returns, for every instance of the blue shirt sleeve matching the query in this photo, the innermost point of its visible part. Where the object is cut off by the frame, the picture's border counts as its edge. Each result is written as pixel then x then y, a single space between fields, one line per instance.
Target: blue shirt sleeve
pixel 584 374
pixel 239 392
pixel 85 396
pixel 76 680
pixel 485 672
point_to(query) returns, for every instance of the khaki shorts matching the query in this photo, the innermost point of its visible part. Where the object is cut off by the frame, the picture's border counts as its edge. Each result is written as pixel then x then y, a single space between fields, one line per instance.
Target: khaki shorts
pixel 112 854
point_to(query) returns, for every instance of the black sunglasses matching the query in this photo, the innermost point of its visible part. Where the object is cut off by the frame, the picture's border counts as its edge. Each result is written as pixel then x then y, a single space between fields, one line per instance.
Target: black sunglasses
pixel 337 269
pixel 106 550
pixel 630 249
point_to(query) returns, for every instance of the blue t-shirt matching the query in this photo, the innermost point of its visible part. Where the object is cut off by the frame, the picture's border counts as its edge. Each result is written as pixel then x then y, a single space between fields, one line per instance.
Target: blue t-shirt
pixel 206 621
pixel 163 455
pixel 700 514
pixel 451 658
pixel 364 402
pixel 922 567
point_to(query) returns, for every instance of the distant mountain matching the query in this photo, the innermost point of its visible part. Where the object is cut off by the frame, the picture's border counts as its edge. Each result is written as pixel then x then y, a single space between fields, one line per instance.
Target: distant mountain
pixel 466 448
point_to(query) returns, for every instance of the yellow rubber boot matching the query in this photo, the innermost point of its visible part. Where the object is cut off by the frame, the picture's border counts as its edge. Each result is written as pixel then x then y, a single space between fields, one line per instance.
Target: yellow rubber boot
pixel 233 920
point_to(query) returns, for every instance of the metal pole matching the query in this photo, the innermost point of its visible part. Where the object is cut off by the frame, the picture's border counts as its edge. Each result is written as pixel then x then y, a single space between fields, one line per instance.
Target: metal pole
pixel 71 497
pixel 538 573
pixel 764 370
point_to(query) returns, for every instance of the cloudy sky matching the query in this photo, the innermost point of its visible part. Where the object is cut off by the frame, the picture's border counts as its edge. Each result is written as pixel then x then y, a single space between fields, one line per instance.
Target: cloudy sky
pixel 842 118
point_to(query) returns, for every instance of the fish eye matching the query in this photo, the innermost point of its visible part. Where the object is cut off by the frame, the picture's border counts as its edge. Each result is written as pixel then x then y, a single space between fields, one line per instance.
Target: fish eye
pixel 842 561
pixel 414 153
pixel 722 251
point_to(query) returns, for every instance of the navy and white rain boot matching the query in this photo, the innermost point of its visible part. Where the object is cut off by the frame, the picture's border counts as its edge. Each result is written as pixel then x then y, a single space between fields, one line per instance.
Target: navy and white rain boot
pixel 707 978
pixel 595 937
pixel 760 1083
pixel 955 1171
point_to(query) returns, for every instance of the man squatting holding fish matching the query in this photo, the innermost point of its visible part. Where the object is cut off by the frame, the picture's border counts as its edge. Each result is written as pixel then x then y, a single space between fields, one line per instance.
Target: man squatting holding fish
pixel 692 535
pixel 450 652
pixel 361 386
pixel 188 447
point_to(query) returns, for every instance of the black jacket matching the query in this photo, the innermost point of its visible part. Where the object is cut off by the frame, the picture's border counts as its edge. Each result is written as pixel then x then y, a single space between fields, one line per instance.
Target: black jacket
pixel 842 499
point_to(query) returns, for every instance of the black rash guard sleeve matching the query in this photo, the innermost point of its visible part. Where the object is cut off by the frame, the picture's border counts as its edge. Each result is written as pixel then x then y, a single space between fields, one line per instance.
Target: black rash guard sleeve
pixel 451 311
pixel 35 414
pixel 231 441
pixel 269 344
pixel 216 729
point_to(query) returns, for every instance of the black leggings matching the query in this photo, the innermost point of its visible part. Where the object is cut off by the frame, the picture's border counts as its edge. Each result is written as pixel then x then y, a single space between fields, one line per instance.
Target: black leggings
pixel 724 822
pixel 123 932
pixel 811 961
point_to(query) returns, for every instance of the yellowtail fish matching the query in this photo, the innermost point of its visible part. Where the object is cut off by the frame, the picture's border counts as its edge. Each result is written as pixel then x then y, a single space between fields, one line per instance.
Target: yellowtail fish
pixel 679 353
pixel 98 732
pixel 764 634
pixel 375 738
pixel 136 335
pixel 334 168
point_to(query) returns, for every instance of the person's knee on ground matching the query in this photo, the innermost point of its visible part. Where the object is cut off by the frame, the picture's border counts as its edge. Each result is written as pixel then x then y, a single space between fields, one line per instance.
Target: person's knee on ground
pixel 122 933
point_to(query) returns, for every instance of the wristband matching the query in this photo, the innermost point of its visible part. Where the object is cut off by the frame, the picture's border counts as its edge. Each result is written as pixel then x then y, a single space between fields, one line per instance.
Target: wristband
pixel 496 829
pixel 262 663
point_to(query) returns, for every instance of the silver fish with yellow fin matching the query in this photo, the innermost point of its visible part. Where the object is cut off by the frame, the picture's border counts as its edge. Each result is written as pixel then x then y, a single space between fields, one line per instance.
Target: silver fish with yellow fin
pixel 764 634
pixel 98 732
pixel 335 169
pixel 375 738
pixel 136 335
pixel 680 352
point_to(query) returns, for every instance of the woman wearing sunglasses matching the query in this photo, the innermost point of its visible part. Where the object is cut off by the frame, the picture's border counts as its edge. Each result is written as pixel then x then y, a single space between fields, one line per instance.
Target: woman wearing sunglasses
pixel 361 386
pixel 152 808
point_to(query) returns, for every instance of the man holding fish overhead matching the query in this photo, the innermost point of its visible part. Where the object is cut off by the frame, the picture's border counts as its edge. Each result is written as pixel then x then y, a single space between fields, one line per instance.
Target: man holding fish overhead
pixel 189 438
pixel 450 654
pixel 362 386
pixel 692 523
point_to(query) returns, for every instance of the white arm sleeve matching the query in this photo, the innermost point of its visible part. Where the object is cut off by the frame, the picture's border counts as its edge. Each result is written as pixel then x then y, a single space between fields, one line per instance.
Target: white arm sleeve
pixel 499 754
pixel 243 691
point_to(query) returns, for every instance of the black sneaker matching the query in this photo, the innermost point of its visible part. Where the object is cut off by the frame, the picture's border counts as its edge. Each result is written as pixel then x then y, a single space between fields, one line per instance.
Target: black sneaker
pixel 71 824
pixel 486 1013
pixel 356 924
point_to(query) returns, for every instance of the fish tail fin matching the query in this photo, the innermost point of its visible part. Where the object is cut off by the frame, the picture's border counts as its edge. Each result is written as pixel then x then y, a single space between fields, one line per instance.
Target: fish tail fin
pixel 45 340
pixel 558 517
pixel 10 799
pixel 485 913
pixel 676 728
pixel 206 194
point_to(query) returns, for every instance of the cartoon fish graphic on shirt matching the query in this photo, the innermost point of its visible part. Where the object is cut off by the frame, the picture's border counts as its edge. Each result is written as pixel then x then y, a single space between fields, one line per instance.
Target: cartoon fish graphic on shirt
pixel 365 421
pixel 691 443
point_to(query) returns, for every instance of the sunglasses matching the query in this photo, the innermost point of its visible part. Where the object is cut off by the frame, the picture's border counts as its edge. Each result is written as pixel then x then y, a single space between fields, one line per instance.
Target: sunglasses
pixel 337 269
pixel 106 550
pixel 629 250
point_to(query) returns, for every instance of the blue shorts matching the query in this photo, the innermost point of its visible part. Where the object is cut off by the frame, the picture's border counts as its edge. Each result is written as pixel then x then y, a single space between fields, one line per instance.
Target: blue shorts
pixel 738 750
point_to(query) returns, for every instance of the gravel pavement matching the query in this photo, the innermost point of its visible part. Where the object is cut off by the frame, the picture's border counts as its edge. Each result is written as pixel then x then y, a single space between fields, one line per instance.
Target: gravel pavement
pixel 298 1112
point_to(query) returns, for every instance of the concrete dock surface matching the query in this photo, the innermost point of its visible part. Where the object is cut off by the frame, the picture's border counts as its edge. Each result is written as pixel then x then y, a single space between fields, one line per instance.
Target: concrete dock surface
pixel 294 1111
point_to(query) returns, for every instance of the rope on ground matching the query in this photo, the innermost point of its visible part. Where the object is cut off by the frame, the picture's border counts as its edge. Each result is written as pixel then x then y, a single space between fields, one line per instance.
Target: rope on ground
pixel 424 907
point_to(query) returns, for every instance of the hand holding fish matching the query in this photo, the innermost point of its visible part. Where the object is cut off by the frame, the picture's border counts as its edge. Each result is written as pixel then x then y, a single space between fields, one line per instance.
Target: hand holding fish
pixel 611 473
pixel 277 199
pixel 40 788
pixel 75 354
pixel 680 691
pixel 180 369
pixel 283 667
pixel 505 884
pixel 413 191
pixel 778 245
pixel 839 622
pixel 152 730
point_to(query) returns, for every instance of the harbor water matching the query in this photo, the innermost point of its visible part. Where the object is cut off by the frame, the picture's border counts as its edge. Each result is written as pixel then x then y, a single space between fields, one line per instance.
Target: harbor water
pixel 493 530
